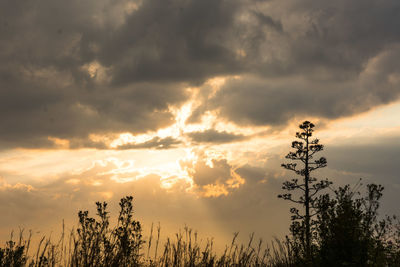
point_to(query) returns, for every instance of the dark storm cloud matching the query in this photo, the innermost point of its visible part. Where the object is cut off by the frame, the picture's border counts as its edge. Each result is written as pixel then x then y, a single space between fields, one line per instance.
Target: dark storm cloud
pixel 254 101
pixel 74 68
pixel 46 90
pixel 214 136
pixel 324 37
pixel 174 40
pixel 331 59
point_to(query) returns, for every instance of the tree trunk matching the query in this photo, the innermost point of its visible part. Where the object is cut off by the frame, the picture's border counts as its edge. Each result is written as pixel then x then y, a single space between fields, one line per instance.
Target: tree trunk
pixel 307 204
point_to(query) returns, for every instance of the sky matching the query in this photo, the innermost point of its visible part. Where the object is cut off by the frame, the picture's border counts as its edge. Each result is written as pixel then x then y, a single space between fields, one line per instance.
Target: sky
pixel 191 106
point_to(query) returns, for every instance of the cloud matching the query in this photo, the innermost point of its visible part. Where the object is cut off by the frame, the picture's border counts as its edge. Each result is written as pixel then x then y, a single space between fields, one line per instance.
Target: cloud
pixel 330 60
pixel 254 100
pixel 155 142
pixel 71 68
pixel 214 136
pixel 53 84
pixel 212 177
pixel 174 40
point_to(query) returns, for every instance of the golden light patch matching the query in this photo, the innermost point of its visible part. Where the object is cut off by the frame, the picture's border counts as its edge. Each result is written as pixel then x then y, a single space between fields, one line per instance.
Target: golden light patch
pixel 213 154
pixel 95 70
pixel 122 171
pixel 73 181
pixel 92 68
pixel 105 195
pixel 96 183
pixel 122 139
pixel 19 186
pixel 130 7
pixel 25 187
pixel 217 82
pixel 236 181
pixel 214 190
pixel 59 143
pixel 169 182
pixel 128 138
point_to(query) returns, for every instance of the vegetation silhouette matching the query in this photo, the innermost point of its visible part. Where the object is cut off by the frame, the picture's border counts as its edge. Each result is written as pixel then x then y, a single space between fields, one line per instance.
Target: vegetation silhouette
pixel 340 228
pixel 349 233
pixel 308 186
pixel 95 243
pixel 337 229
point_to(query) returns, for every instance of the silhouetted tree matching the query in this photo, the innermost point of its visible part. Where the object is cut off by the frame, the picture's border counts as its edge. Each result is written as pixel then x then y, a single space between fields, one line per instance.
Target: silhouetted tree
pixel 303 164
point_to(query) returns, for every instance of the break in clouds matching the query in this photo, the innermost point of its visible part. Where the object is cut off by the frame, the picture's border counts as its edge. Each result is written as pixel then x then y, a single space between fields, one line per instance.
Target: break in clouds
pixel 71 69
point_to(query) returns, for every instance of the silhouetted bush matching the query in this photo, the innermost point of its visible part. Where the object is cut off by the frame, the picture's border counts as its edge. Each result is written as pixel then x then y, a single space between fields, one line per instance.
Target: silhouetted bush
pixel 12 255
pixel 98 245
pixel 349 232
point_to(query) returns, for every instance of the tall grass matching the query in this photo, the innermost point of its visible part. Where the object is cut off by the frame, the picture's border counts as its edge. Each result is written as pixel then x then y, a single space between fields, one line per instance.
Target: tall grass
pixel 95 243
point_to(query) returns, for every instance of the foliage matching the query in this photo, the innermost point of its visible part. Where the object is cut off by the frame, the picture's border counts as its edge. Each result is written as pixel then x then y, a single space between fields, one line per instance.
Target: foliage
pixel 349 232
pixel 12 255
pixel 98 245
